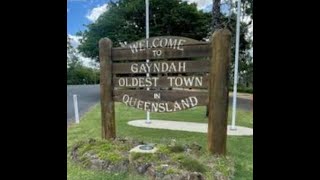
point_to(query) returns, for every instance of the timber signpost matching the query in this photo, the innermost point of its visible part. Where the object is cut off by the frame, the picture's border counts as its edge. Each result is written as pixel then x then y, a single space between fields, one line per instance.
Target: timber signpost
pixel 184 73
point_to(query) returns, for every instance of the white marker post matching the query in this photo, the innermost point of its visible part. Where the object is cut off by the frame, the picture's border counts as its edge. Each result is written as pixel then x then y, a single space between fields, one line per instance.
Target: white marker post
pixel 147 37
pixel 235 80
pixel 76 112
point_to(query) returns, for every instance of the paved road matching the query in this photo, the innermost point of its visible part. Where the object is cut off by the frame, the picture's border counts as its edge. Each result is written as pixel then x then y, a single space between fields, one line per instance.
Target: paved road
pixel 244 104
pixel 89 95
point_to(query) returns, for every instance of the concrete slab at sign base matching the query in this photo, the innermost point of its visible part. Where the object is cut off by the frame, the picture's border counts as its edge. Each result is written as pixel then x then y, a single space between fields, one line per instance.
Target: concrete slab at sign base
pixel 188 126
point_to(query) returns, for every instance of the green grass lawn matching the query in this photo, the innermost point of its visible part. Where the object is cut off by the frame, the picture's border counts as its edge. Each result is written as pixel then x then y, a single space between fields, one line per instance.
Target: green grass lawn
pixel 239 148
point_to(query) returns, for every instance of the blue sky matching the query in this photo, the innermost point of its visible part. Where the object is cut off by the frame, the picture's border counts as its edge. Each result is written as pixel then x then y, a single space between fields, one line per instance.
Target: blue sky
pixel 80 12
pixel 83 12
pixel 77 12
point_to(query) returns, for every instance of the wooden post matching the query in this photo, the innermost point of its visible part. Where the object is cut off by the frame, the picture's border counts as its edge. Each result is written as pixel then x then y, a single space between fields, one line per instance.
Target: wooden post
pixel 108 126
pixel 218 92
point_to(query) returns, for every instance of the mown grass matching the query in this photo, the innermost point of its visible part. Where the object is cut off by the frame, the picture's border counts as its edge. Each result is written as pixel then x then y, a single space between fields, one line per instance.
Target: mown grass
pixel 239 148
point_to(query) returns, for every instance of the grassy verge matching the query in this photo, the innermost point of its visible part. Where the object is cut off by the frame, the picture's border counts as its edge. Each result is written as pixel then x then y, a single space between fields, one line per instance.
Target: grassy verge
pixel 239 148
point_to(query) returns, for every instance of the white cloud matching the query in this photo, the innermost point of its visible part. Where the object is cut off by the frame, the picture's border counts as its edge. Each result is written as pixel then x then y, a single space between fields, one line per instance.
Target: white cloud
pixel 68 10
pixel 206 5
pixel 201 4
pixel 75 42
pixel 86 61
pixel 94 13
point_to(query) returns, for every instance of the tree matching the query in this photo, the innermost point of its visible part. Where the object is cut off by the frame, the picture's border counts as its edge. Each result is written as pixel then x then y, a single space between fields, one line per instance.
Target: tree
pixel 216 24
pixel 216 15
pixel 76 72
pixel 245 60
pixel 245 68
pixel 125 21
pixel 72 58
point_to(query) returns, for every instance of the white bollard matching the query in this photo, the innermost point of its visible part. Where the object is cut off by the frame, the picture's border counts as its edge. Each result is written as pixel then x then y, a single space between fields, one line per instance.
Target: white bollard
pixel 76 112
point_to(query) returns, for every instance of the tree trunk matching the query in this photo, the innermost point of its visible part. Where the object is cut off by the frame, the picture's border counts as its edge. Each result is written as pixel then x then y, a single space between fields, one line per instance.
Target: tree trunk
pixel 216 15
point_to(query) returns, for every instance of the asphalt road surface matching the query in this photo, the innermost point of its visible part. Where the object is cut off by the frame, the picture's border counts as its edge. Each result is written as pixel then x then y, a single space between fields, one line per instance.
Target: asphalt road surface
pixel 89 95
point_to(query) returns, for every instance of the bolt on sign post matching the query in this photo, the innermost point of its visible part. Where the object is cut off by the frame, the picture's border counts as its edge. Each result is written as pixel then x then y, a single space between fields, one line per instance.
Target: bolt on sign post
pixel 185 73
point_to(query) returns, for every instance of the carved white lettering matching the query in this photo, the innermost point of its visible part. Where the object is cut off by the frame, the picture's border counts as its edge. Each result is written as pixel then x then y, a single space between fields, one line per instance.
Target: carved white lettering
pixel 182 67
pixel 183 104
pixel 142 46
pixel 176 106
pixel 180 43
pixel 125 99
pixel 193 101
pixel 171 78
pixel 122 82
pixel 134 68
pixel 156 95
pixel 147 106
pixel 198 81
pixel 134 47
pixel 188 81
pixel 163 42
pixel 172 68
pixel 154 42
pixel 178 81
pixel 161 107
pixel 164 67
pixel 172 44
pixel 167 108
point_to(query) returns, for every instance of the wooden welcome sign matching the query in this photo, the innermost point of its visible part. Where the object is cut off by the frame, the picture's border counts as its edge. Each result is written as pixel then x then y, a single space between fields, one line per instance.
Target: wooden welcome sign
pixel 181 73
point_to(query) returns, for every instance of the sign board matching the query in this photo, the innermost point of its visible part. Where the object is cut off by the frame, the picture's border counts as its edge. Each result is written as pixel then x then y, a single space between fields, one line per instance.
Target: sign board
pixel 182 73
pixel 169 93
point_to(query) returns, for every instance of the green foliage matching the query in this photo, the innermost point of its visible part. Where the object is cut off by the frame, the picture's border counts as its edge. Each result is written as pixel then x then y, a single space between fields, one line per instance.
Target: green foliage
pixel 176 148
pixel 125 21
pixel 163 149
pixel 189 163
pixel 245 90
pixel 79 74
pixel 223 165
pixel 247 7
pixel 105 150
pixel 239 148
pixel 72 59
pixel 76 72
pixel 242 89
pixel 144 157
pixel 171 170
pixel 245 67
pixel 135 155
pixel 111 156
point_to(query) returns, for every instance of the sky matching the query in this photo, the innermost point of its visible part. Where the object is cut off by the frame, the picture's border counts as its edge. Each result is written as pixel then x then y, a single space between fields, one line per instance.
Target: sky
pixel 80 12
pixel 83 12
